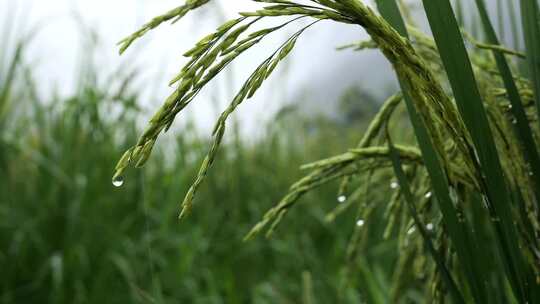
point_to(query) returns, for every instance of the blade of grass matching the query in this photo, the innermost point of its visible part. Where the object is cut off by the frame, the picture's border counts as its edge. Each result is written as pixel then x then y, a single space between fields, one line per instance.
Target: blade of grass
pixel 11 73
pixel 500 19
pixel 531 32
pixel 523 129
pixel 373 291
pixel 409 199
pixel 462 80
pixel 458 231
pixel 484 232
pixel 459 13
pixel 513 24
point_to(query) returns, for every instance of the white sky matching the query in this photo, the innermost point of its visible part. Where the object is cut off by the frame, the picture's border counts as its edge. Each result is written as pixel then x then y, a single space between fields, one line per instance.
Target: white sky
pixel 316 70
pixel 57 50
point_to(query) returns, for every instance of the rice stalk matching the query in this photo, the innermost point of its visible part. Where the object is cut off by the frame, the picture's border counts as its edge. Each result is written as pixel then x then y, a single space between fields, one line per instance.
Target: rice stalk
pixel 462 105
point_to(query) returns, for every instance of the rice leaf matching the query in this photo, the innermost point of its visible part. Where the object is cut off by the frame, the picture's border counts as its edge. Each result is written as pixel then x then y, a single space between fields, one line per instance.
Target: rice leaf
pixel 531 31
pixel 513 24
pixel 457 231
pixel 462 80
pixel 523 129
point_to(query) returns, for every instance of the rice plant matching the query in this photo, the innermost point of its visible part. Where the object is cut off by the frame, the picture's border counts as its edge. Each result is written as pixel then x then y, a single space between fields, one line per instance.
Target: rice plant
pixel 466 191
pixel 68 236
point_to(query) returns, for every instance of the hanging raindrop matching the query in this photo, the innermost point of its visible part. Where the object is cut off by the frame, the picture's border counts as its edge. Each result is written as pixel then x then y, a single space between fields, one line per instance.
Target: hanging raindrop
pixel 341 198
pixel 429 226
pixel 394 185
pixel 118 181
pixel 360 223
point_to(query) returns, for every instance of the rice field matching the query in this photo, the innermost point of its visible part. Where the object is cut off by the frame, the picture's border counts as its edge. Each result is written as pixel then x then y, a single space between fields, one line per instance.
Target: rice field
pixel 431 199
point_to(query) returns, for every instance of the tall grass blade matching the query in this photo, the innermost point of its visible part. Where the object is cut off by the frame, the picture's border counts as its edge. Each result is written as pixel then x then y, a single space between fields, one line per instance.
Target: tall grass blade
pixel 531 31
pixel 458 231
pixel 513 23
pixel 459 13
pixel 500 19
pixel 462 80
pixel 523 129
pixel 11 72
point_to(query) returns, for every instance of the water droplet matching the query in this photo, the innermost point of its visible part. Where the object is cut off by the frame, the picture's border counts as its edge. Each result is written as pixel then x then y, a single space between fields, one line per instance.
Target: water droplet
pixel 514 121
pixel 411 230
pixel 394 185
pixel 509 107
pixel 429 226
pixel 360 223
pixel 341 198
pixel 428 195
pixel 118 181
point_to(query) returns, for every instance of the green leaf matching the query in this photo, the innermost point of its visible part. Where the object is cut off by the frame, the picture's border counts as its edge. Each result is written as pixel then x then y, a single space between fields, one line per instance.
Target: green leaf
pixel 531 32
pixel 523 129
pixel 513 23
pixel 460 74
pixel 457 231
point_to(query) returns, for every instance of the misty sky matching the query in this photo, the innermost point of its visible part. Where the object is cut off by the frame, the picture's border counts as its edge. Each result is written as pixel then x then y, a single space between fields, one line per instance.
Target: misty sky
pixel 316 73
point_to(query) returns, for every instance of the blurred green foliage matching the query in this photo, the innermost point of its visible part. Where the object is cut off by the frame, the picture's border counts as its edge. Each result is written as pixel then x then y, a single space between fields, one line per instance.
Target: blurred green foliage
pixel 67 235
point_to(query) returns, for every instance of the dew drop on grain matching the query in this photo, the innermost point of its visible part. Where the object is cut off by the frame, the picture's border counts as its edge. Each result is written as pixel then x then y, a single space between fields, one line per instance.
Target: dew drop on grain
pixel 118 181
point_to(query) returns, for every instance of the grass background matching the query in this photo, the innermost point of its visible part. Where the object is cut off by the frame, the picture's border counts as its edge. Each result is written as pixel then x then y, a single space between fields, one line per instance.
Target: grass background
pixel 67 235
